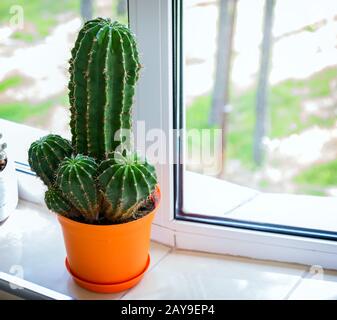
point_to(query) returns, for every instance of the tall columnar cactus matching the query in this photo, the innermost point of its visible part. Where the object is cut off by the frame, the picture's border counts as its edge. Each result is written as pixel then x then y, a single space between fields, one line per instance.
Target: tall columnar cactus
pixel 126 183
pixel 45 155
pixel 104 68
pixel 88 179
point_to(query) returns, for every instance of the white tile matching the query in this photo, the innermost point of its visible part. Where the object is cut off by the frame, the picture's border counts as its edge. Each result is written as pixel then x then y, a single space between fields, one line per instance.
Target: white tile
pixel 157 252
pixel 188 275
pixel 320 286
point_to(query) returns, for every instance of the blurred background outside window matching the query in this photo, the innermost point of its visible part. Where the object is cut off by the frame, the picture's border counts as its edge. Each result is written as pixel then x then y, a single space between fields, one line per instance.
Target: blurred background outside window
pixel 264 71
pixel 34 56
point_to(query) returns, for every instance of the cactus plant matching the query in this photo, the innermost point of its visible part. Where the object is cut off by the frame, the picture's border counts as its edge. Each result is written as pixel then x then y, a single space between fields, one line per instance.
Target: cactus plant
pixel 76 178
pixel 56 202
pixel 3 155
pixel 45 155
pixel 126 182
pixel 88 178
pixel 104 68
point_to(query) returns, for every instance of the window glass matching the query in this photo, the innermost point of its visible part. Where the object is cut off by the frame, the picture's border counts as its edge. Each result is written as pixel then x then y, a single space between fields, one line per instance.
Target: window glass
pixel 265 72
pixel 259 107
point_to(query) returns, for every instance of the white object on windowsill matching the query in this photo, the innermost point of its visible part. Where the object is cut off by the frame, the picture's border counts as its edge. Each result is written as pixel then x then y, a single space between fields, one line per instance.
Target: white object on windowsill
pixel 8 190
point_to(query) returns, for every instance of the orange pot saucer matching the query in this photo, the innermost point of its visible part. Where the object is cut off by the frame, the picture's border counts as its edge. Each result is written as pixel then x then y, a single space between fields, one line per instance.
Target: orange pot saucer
pixel 110 287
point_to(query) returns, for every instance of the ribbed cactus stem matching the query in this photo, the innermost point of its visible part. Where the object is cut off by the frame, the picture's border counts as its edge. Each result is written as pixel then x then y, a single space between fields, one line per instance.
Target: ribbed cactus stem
pixel 57 202
pixel 46 154
pixel 71 87
pixel 76 178
pixel 104 69
pixel 126 183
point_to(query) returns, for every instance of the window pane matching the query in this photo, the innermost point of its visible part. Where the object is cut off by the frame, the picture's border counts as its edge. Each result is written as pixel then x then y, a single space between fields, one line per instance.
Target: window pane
pixel 260 104
pixel 35 42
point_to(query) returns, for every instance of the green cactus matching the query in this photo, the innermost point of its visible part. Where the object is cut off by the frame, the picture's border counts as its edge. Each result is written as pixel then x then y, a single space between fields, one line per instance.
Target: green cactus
pixel 56 202
pixel 103 69
pixel 45 155
pixel 76 178
pixel 126 183
pixel 87 179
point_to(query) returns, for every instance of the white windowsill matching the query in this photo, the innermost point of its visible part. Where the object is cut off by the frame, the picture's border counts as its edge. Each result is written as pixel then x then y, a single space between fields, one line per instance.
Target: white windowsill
pixel 31 241
pixel 221 199
pixel 213 197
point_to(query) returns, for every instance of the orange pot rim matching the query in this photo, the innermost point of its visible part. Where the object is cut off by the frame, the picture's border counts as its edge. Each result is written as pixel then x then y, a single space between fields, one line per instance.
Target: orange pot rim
pixel 65 220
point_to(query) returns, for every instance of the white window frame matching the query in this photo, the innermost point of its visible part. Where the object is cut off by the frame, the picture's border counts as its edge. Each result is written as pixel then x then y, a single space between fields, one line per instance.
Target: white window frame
pixel 151 21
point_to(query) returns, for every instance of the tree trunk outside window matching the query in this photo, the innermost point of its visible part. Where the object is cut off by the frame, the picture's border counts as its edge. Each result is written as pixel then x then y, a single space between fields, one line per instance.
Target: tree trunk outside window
pixel 262 112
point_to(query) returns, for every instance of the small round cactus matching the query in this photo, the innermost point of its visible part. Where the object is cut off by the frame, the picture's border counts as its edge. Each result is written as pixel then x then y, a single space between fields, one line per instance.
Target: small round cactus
pixel 45 155
pixel 56 201
pixel 126 183
pixel 76 178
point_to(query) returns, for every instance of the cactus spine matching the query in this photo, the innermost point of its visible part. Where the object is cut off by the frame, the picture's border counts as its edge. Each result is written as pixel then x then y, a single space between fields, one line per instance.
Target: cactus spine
pixel 56 202
pixel 45 155
pixel 104 69
pixel 76 178
pixel 126 182
pixel 88 179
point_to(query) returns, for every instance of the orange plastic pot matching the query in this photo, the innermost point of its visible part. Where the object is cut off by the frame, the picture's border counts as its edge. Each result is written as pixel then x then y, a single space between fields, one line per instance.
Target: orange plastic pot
pixel 108 258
